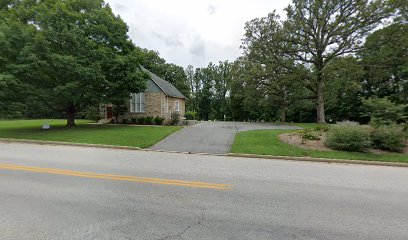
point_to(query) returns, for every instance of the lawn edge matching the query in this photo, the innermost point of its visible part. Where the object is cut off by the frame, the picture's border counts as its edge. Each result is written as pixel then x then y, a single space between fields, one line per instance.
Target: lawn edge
pixel 240 155
pixel 324 160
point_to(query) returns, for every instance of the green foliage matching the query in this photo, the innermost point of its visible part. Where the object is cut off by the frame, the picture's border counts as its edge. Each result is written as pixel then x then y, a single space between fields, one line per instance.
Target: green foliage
pixel 190 115
pixel 385 59
pixel 125 121
pixel 269 80
pixel 209 90
pixel 70 55
pixel 134 120
pixel 405 127
pixel 322 128
pixel 349 138
pixel 384 112
pixel 91 113
pixel 344 77
pixel 158 120
pixel 175 118
pixel 308 134
pixel 149 120
pixel 141 120
pixel 391 138
pixel 317 42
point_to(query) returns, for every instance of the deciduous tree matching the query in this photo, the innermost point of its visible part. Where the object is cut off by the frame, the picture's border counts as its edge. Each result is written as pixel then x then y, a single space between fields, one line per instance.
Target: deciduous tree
pixel 321 30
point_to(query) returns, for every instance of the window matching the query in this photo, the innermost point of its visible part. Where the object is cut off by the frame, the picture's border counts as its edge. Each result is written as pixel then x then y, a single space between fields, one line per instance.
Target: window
pixel 177 106
pixel 137 103
pixel 167 104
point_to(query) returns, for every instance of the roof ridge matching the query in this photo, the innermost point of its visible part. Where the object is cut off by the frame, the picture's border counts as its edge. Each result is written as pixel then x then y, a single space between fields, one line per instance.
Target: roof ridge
pixel 167 87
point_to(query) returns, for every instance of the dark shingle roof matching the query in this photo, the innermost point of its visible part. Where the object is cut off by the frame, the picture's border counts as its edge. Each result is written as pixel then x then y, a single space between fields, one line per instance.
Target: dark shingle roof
pixel 165 86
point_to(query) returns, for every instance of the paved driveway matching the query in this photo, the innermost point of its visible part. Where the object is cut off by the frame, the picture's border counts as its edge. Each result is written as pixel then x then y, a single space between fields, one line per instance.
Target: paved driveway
pixel 210 137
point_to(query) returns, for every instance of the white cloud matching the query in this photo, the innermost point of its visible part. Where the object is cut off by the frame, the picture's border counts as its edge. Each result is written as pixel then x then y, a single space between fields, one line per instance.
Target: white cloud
pixel 211 9
pixel 192 32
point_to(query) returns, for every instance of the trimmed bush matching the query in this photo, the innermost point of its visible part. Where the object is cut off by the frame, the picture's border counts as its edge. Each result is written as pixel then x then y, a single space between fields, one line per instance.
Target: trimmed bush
pixel 391 138
pixel 175 118
pixel 158 120
pixel 323 128
pixel 142 120
pixel 133 120
pixel 149 120
pixel 190 115
pixel 125 121
pixel 308 134
pixel 349 138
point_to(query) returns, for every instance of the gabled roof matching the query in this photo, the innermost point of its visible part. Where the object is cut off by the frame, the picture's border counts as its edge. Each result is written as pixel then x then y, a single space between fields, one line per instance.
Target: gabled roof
pixel 165 86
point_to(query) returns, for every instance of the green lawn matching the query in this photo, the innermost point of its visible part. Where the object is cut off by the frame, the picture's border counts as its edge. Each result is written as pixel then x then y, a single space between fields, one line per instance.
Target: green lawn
pixel 118 135
pixel 266 142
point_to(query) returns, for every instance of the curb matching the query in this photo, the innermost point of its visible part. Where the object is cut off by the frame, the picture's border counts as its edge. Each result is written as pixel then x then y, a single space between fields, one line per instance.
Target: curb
pixel 240 155
pixel 324 160
pixel 57 143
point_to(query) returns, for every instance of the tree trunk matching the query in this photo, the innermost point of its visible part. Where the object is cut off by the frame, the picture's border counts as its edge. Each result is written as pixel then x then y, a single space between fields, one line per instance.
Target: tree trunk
pixel 283 114
pixel 71 115
pixel 320 99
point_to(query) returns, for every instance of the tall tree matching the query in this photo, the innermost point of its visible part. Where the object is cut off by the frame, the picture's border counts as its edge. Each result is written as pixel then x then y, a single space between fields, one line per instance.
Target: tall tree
pixel 80 56
pixel 18 65
pixel 189 71
pixel 321 30
pixel 344 78
pixel 176 76
pixel 204 78
pixel 273 72
pixel 221 90
pixel 385 59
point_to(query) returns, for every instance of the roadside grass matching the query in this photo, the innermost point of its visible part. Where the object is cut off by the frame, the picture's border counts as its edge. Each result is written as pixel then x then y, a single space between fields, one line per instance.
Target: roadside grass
pixel 266 142
pixel 117 135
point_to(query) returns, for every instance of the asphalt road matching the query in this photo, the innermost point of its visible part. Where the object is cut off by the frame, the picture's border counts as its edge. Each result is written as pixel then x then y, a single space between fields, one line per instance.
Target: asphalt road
pixel 210 137
pixel 61 192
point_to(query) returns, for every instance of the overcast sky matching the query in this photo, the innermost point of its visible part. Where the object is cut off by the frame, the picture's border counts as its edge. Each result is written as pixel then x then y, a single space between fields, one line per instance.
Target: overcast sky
pixel 192 32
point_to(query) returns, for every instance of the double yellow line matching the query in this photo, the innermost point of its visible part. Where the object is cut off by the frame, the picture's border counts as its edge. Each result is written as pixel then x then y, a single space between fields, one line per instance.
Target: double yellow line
pixel 117 177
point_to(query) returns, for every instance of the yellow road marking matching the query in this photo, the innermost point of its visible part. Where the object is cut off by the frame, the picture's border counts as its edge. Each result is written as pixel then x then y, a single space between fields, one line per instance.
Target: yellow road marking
pixel 116 177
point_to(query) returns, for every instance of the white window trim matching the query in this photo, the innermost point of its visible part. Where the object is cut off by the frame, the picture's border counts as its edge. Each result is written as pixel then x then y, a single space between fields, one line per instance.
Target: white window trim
pixel 167 104
pixel 141 104
pixel 177 106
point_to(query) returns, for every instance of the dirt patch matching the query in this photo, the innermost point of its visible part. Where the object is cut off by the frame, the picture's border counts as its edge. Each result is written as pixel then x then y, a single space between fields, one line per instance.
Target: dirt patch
pixel 296 140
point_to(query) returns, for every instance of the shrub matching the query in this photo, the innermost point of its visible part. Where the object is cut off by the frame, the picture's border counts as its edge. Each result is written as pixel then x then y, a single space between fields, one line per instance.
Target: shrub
pixel 384 112
pixel 175 118
pixel 158 120
pixel 308 134
pixel 323 128
pixel 190 115
pixel 405 127
pixel 390 138
pixel 92 113
pixel 349 138
pixel 142 120
pixel 133 120
pixel 149 120
pixel 125 121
